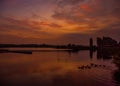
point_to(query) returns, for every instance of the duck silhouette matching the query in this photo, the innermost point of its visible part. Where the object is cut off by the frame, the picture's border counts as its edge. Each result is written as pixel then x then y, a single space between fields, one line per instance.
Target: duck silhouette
pixel 100 65
pixel 104 66
pixel 82 67
pixel 92 65
pixel 88 67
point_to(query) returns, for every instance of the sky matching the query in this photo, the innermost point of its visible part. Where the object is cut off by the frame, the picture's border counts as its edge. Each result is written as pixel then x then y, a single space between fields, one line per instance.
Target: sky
pixel 58 21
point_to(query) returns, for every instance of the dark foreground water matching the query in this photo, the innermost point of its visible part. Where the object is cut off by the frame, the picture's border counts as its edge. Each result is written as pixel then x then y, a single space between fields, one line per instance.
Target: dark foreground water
pixel 58 69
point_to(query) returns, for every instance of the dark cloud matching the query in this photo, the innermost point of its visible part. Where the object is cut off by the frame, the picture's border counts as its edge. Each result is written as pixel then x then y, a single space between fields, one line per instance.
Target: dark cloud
pixel 78 10
pixel 66 10
pixel 63 3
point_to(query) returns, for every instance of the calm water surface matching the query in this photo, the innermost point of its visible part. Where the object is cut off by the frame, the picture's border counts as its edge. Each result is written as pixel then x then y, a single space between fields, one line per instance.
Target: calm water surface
pixel 57 69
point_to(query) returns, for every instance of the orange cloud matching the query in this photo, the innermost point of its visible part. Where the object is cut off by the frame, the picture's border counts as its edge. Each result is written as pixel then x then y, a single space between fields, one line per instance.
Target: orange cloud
pixel 28 28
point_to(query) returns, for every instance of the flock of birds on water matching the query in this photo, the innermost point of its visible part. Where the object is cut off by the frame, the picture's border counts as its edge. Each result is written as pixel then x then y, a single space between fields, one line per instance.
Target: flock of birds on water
pixel 92 65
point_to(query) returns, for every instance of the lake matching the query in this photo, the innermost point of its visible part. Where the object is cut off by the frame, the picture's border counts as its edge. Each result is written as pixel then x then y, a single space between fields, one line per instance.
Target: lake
pixel 57 68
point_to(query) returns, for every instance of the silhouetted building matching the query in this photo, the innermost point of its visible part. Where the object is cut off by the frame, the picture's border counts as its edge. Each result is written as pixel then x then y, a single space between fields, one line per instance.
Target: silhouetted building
pixel 99 42
pixel 106 42
pixel 91 42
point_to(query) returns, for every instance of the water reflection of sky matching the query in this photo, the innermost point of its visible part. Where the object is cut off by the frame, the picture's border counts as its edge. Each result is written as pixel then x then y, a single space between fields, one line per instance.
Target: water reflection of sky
pixel 54 69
